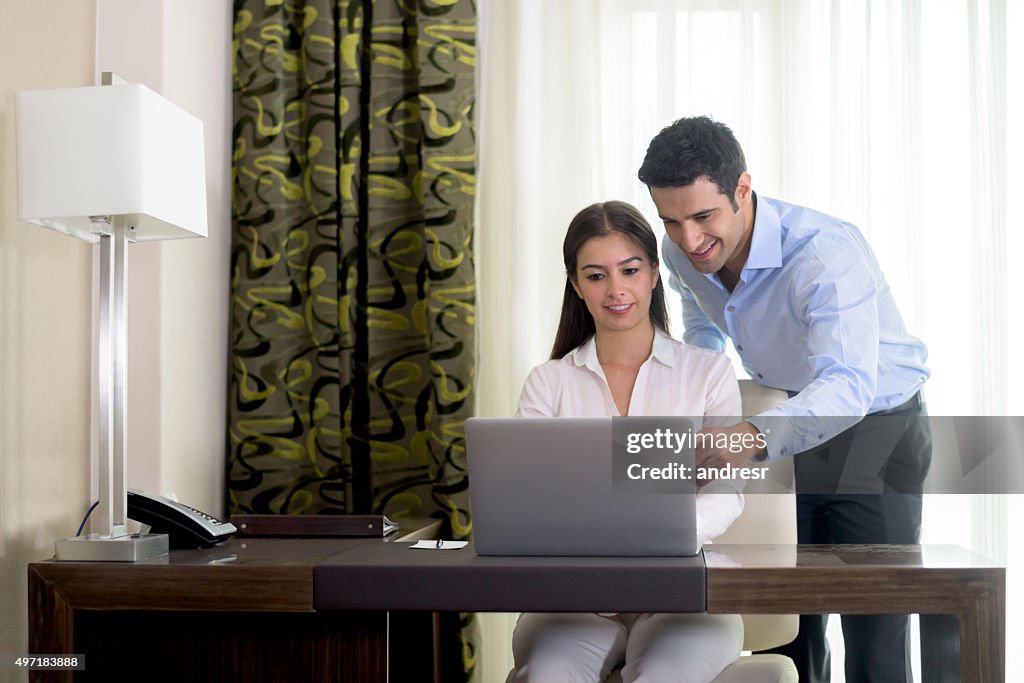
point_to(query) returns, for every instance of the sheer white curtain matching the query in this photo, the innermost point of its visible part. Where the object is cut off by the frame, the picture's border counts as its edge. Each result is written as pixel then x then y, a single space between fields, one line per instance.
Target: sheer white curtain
pixel 893 114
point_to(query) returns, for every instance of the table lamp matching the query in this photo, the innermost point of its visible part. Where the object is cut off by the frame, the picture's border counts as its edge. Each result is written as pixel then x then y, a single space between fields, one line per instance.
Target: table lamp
pixel 111 164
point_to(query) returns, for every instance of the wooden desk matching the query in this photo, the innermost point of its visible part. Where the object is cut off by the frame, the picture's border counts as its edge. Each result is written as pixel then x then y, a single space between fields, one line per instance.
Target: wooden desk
pixel 240 611
pixel 959 595
pixel 244 611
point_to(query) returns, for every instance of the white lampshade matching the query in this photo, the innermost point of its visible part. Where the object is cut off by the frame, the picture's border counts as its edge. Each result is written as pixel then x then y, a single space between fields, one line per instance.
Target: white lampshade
pixel 115 150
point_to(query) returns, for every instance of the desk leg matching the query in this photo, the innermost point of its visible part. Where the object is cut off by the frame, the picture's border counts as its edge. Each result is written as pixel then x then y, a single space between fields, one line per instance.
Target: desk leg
pixel 50 627
pixel 983 634
pixel 970 646
pixel 412 647
pixel 940 648
pixel 424 646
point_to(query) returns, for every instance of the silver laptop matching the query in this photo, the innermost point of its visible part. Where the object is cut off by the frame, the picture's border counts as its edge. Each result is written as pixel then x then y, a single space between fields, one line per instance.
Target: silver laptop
pixel 544 486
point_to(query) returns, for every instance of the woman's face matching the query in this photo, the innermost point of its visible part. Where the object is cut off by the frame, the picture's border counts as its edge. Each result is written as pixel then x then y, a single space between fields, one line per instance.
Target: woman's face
pixel 615 280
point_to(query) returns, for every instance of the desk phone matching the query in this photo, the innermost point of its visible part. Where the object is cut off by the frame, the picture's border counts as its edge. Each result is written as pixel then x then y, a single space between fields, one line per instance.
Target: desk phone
pixel 185 526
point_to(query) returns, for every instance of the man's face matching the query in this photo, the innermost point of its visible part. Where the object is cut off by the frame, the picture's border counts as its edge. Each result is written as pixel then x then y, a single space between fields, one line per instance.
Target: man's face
pixel 702 223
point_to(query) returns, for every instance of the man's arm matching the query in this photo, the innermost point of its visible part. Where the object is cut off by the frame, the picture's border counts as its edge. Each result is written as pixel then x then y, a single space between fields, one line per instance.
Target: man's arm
pixel 836 300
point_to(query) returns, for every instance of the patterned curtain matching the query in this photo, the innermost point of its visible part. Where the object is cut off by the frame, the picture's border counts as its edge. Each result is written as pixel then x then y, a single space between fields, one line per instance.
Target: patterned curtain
pixel 352 306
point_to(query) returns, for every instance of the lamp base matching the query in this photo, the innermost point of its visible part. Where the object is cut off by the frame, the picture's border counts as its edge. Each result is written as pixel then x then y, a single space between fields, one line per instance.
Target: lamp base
pixel 130 548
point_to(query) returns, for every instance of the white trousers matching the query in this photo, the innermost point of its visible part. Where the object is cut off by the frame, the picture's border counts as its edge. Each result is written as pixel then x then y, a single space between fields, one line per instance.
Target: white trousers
pixel 650 648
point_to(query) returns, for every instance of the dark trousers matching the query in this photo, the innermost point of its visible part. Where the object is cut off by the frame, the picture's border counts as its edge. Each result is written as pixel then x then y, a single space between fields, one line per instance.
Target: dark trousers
pixel 877 647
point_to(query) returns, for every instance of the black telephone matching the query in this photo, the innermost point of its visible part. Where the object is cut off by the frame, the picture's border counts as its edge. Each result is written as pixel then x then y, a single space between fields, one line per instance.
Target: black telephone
pixel 186 527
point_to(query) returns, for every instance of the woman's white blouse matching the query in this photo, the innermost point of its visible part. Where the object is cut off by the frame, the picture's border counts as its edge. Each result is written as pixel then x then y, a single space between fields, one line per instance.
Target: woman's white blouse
pixel 676 379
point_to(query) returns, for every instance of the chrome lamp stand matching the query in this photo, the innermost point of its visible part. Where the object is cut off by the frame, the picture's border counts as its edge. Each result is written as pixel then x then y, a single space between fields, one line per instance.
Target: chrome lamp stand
pixel 113 542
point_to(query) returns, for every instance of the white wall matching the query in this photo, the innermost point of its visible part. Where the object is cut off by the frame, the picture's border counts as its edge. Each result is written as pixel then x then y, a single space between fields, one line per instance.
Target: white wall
pixel 178 291
pixel 195 274
pixel 45 323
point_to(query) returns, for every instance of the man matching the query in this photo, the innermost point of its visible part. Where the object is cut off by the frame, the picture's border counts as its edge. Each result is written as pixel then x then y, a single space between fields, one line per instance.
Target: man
pixel 802 297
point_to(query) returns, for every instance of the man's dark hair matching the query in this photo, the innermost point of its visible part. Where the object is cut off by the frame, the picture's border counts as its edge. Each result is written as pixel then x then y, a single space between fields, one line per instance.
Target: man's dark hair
pixel 691 148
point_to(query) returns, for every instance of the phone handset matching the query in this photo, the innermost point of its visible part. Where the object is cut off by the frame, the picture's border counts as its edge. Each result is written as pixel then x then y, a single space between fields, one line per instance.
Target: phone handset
pixel 185 526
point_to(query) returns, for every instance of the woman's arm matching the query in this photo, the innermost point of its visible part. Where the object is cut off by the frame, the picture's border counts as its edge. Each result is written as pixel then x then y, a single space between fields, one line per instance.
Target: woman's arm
pixel 537 398
pixel 716 511
pixel 720 502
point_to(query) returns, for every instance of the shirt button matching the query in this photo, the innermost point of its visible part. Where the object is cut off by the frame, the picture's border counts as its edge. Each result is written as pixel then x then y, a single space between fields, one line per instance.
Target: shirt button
pixel 731 309
pixel 760 376
pixel 739 348
pixel 784 451
pixel 821 436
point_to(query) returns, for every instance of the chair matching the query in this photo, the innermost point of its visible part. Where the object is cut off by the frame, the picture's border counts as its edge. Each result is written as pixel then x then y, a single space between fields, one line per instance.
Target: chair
pixel 769 516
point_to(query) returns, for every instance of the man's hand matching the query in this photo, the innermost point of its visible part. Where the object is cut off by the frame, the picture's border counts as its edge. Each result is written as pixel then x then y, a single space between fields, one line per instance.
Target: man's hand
pixel 727 446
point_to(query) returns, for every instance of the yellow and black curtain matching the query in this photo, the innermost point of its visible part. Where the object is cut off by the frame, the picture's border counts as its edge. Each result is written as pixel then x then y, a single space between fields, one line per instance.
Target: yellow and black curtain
pixel 352 287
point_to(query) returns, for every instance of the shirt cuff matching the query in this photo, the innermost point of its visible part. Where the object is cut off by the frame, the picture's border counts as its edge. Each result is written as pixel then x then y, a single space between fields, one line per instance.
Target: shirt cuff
pixel 778 433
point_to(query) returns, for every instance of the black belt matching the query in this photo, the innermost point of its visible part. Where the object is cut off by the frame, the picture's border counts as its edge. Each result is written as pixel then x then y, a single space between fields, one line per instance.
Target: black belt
pixel 915 402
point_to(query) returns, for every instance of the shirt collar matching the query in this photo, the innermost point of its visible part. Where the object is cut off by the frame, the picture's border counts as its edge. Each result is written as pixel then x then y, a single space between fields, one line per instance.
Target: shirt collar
pixel 766 243
pixel 585 355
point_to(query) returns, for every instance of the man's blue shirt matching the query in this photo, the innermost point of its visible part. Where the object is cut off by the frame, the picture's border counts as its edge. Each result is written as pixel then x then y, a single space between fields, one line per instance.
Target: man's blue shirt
pixel 811 314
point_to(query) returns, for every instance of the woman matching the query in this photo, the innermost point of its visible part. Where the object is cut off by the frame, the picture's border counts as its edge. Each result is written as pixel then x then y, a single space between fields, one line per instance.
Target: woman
pixel 613 356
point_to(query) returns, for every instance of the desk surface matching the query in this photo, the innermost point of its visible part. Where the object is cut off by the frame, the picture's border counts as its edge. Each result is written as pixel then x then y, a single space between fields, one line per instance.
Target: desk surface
pixel 226 577
pixel 394 577
pixel 281 571
pixel 752 556
pixel 864 579
pixel 851 579
pixel 964 592
pixel 959 595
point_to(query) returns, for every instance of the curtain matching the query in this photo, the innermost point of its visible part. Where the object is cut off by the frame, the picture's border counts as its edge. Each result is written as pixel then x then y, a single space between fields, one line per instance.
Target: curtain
pixel 892 114
pixel 352 271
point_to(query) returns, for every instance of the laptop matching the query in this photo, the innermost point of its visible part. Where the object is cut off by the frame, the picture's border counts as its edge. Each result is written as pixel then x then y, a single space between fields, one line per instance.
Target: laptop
pixel 544 487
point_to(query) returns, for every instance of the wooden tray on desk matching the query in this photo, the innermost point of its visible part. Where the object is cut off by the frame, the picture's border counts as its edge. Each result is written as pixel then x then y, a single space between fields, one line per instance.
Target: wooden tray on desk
pixel 335 526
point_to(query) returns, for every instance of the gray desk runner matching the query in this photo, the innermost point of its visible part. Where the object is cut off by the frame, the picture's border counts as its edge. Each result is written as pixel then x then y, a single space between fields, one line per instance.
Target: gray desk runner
pixel 393 576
